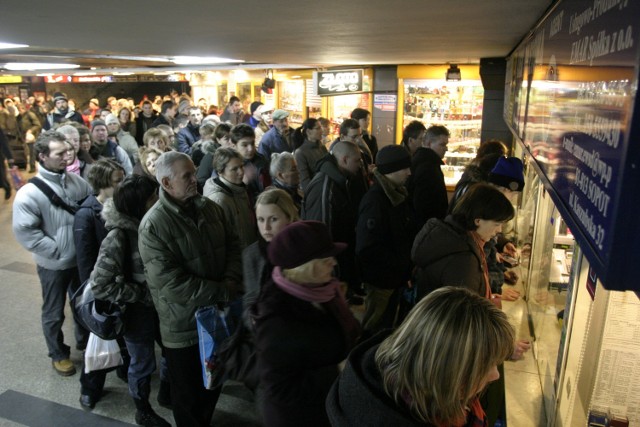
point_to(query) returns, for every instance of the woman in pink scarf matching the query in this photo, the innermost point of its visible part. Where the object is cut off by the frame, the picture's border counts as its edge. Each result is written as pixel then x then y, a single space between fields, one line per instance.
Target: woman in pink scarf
pixel 304 327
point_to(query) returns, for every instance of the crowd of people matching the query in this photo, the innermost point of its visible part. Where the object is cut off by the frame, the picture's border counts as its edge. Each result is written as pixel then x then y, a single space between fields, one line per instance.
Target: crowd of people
pixel 172 210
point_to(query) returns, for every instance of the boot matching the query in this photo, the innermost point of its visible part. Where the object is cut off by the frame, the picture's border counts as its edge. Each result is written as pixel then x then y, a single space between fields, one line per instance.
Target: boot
pixel 164 394
pixel 145 416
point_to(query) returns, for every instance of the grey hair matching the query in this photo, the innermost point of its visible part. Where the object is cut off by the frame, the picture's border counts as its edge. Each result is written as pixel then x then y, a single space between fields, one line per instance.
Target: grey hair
pixel 164 164
pixel 280 162
pixel 66 130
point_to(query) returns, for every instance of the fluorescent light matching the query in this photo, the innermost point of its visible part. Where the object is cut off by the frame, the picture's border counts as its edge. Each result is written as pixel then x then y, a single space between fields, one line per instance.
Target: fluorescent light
pixel 201 60
pixel 29 66
pixel 4 45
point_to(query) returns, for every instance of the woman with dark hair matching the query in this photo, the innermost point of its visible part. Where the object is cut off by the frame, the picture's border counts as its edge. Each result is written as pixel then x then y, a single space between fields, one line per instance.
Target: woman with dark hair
pixel 304 327
pixel 206 143
pixel 428 372
pixel 104 176
pixel 221 140
pixel 309 138
pixel 119 277
pixel 229 192
pixel 450 252
pixel 126 120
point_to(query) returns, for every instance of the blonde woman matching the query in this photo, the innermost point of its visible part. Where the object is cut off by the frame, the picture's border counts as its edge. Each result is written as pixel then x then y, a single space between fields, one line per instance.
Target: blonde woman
pixel 428 372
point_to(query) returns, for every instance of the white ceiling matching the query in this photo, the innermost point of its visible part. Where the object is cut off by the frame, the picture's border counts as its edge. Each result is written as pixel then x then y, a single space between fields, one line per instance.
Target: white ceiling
pixel 312 34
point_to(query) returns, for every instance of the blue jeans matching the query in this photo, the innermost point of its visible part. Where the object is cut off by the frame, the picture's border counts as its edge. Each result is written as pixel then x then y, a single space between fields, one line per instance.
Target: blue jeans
pixel 56 284
pixel 141 326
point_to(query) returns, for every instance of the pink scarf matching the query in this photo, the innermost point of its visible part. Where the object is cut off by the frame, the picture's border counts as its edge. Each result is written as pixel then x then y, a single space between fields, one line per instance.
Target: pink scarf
pixel 327 294
pixel 74 167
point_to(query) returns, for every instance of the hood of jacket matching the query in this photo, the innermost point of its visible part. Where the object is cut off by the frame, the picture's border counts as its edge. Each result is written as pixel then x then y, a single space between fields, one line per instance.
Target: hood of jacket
pixel 439 239
pixel 358 396
pixel 116 219
pixel 329 166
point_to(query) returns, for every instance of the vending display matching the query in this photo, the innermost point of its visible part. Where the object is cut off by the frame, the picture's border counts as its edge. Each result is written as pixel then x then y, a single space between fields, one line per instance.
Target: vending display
pixel 456 105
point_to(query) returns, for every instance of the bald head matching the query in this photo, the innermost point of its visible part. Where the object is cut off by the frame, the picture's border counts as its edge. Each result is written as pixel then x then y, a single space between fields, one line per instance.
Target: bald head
pixel 347 155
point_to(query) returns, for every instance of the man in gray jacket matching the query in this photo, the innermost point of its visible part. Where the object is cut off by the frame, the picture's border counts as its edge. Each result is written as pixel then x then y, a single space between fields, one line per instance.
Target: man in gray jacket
pixel 46 230
pixel 191 256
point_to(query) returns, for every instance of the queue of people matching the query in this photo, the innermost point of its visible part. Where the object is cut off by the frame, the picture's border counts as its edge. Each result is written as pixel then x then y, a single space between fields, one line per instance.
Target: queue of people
pixel 200 216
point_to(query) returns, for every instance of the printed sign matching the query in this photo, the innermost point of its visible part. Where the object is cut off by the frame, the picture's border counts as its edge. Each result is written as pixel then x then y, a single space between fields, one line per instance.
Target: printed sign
pixel 338 82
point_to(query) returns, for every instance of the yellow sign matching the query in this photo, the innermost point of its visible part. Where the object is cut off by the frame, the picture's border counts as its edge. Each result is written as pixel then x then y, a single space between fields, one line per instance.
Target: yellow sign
pixel 10 79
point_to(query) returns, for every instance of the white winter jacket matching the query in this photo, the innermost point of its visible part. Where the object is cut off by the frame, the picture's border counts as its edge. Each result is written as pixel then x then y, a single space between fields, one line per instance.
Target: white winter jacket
pixel 44 229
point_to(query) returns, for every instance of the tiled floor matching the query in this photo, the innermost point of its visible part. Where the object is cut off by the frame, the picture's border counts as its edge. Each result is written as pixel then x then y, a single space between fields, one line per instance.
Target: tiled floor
pixel 31 393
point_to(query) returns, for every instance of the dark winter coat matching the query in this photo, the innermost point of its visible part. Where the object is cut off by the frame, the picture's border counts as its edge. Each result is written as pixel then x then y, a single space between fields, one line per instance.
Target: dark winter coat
pixel 88 233
pixel 446 255
pixel 118 275
pixel 384 235
pixel 358 398
pixel 333 198
pixel 143 124
pixel 187 136
pixel 427 190
pixel 299 347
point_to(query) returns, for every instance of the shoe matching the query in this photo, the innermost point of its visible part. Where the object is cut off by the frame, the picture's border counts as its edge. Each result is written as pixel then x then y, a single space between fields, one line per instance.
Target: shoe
pixel 64 367
pixel 149 418
pixel 87 402
pixel 164 395
pixel 7 192
pixel 81 346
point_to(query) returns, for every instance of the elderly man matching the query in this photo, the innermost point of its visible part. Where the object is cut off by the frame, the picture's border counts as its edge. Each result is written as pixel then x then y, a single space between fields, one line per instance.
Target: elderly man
pixel 278 138
pixel 188 135
pixel 44 227
pixel 107 148
pixel 122 138
pixel 192 259
pixel 61 112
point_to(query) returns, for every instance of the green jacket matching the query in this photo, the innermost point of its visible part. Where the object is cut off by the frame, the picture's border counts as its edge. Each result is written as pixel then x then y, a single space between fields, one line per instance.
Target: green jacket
pixel 187 263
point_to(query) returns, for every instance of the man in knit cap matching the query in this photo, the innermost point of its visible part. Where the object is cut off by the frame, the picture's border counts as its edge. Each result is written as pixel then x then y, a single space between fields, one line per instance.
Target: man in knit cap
pixel 107 148
pixel 384 235
pixel 61 112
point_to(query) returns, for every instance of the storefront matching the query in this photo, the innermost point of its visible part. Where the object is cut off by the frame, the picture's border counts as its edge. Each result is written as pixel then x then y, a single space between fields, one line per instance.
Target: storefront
pixel 572 106
pixel 426 95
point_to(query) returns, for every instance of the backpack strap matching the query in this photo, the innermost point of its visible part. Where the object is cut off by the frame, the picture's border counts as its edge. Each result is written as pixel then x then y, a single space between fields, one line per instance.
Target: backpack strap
pixel 52 196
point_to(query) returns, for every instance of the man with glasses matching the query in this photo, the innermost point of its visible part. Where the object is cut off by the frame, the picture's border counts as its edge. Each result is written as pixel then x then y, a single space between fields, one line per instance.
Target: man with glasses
pixel 46 230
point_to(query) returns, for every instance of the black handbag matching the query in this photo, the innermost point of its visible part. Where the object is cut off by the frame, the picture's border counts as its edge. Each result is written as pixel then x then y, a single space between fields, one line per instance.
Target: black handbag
pixel 103 318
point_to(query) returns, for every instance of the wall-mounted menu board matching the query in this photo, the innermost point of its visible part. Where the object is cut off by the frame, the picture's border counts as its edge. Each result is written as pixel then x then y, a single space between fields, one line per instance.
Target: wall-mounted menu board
pixel 580 77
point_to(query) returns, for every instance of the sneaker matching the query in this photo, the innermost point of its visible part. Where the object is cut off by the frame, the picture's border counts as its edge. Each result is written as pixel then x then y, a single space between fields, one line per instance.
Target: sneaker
pixel 149 418
pixel 64 367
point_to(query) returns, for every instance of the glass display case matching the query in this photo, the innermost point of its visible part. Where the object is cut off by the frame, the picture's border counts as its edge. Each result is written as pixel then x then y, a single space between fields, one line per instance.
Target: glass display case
pixel 456 105
pixel 292 100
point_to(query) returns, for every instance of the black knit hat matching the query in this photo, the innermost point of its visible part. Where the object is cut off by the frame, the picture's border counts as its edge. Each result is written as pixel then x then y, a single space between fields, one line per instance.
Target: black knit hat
pixel 58 96
pixel 301 242
pixel 392 158
pixel 508 173
pixel 254 106
pixel 98 122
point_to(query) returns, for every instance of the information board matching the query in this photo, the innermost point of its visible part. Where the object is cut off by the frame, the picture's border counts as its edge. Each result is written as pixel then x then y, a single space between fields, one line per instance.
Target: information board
pixel 581 64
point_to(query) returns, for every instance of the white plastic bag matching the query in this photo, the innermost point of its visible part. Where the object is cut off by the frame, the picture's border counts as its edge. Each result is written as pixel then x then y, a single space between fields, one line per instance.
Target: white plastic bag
pixel 101 354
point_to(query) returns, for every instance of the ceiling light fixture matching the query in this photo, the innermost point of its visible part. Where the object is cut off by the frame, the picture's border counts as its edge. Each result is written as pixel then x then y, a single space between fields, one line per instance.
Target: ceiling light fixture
pixel 202 60
pixel 453 74
pixel 4 45
pixel 32 66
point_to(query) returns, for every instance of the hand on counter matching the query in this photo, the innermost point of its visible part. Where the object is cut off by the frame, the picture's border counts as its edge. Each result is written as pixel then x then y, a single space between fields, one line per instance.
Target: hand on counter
pixel 510 250
pixel 509 294
pixel 511 277
pixel 522 346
